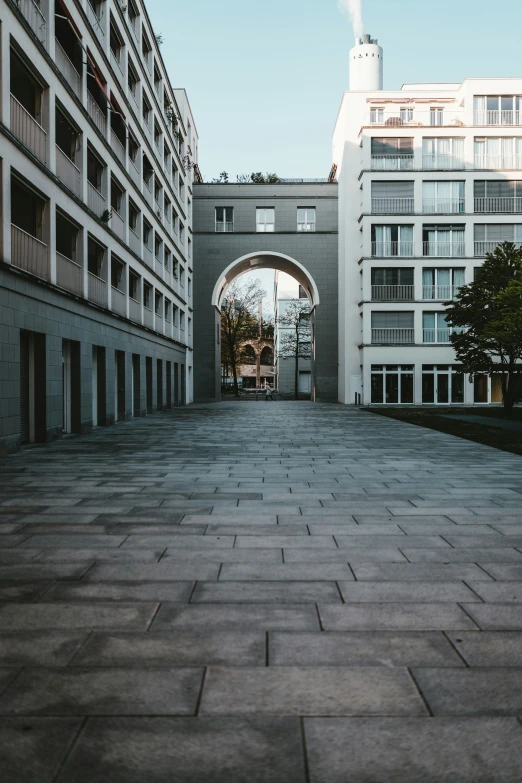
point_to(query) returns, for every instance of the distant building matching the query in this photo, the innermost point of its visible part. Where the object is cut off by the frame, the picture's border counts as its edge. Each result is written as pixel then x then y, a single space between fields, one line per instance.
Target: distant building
pixel 285 366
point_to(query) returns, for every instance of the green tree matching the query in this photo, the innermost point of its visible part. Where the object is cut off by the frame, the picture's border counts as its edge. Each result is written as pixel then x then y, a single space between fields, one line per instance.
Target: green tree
pixel 295 341
pixel 238 319
pixel 489 313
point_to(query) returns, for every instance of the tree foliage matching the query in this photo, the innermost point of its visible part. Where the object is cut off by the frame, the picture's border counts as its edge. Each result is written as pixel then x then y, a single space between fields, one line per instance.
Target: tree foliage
pixel 295 342
pixel 489 311
pixel 238 320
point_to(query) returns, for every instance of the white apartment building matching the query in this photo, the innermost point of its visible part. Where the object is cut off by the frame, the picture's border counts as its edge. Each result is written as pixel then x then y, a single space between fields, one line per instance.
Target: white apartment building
pixel 98 156
pixel 430 179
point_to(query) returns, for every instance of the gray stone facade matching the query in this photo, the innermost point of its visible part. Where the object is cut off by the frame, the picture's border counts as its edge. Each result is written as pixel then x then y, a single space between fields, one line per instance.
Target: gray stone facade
pixel 315 251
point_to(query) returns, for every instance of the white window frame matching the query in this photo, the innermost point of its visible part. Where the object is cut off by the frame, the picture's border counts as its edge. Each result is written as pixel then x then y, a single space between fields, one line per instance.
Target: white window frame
pixel 309 219
pixel 400 370
pixel 223 226
pixel 263 226
pixel 449 370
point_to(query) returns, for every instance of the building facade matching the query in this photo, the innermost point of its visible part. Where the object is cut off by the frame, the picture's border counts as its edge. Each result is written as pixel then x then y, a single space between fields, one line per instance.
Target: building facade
pixel 98 155
pixel 244 227
pixel 430 179
pixel 285 365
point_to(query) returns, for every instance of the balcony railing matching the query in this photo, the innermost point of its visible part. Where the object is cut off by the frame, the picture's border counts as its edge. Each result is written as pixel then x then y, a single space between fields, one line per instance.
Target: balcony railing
pixel 146 254
pixel 118 148
pixel 69 274
pixel 443 206
pixel 442 162
pixel 445 249
pixel 37 21
pixel 442 292
pixel 392 293
pixel 481 248
pixel 509 204
pixel 498 117
pixel 97 115
pixel 134 310
pixel 67 69
pixel 29 253
pixel 148 317
pixel 392 162
pixel 436 335
pixel 225 228
pixel 28 130
pixel 95 201
pixel 134 241
pixel 393 336
pixel 97 290
pixel 394 118
pixel 497 162
pixel 117 224
pixel 392 206
pixel 134 173
pixel 116 66
pixel 389 249
pixel 118 301
pixel 147 194
pixel 95 22
pixel 68 172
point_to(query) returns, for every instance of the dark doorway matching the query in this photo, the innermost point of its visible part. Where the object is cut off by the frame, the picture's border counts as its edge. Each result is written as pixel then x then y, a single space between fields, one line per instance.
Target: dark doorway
pixel 120 385
pixel 148 381
pixel 176 384
pixel 136 390
pixel 159 383
pixel 168 370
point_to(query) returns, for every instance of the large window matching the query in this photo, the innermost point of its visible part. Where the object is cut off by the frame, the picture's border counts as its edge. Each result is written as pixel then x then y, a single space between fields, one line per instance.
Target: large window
pixel 443 197
pixel 497 109
pixel 489 235
pixel 442 384
pixel 391 284
pixel 306 218
pixel 392 154
pixel 443 153
pixel 498 195
pixel 392 197
pixel 392 383
pixel 388 241
pixel 265 220
pixel 392 328
pixel 498 153
pixel 436 116
pixel 224 220
pixel 443 241
pixel 436 329
pixel 441 283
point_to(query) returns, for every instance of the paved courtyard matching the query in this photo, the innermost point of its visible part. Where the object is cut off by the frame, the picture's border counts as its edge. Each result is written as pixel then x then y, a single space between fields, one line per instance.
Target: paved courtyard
pixel 261 593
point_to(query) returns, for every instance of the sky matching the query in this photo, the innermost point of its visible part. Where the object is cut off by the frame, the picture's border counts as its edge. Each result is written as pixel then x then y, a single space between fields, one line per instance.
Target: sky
pixel 265 79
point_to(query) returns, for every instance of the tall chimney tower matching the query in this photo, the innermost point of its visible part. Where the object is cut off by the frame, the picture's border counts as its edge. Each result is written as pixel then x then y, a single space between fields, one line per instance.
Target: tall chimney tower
pixel 366 65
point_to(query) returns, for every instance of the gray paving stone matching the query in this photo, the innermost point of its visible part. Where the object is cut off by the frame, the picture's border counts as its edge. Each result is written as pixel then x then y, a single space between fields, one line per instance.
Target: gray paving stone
pixel 503 572
pixel 71 541
pixel 32 749
pixel 235 617
pixel 409 750
pixel 498 592
pixel 266 592
pixel 345 555
pixel 6 677
pixel 291 572
pixel 462 555
pixel 180 542
pixel 120 591
pixel 113 555
pixel 292 690
pixel 420 572
pixel 361 649
pixel 34 571
pixel 44 616
pixel 475 691
pixel 415 592
pixel 308 542
pixel 350 530
pixel 222 555
pixel 187 750
pixel 256 530
pixel 394 617
pixel 113 691
pixel 38 648
pixel 489 648
pixel 496 617
pixel 225 648
pixel 402 541
pixel 157 572
pixel 9 541
pixel 447 529
pixel 22 591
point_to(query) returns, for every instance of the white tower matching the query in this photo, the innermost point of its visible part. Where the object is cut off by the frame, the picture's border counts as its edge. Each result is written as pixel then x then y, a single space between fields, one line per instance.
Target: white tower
pixel 366 65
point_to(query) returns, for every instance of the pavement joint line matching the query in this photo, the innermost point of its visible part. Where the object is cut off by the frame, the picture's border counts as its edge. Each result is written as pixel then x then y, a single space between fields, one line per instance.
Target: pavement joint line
pixel 72 743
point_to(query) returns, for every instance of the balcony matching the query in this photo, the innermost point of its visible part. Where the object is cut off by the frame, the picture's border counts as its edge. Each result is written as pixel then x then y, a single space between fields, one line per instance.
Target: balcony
pixel 393 336
pixel 34 17
pixel 134 242
pixel 498 162
pixel 118 224
pixel 497 117
pixel 68 172
pixel 439 292
pixel 148 317
pixel 95 23
pixel 97 290
pixel 392 206
pixel 481 248
pixel 393 117
pixel 392 249
pixel 134 28
pixel 134 100
pixel 134 173
pixel 118 148
pixel 95 201
pixel 392 293
pixel 147 194
pixel 116 67
pixel 67 69
pixel 436 335
pixel 69 274
pixel 445 249
pixel 96 114
pixel 158 267
pixel 134 310
pixel 442 162
pixel 118 301
pixel 442 206
pixel 392 162
pixel 29 253
pixel 507 204
pixel 28 130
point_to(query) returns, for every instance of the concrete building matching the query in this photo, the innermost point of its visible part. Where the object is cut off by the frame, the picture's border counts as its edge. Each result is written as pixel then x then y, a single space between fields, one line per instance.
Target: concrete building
pixel 98 155
pixel 285 365
pixel 244 227
pixel 429 181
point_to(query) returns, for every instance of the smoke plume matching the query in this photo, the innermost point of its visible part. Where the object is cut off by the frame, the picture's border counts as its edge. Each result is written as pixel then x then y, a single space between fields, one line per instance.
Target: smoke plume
pixel 353 9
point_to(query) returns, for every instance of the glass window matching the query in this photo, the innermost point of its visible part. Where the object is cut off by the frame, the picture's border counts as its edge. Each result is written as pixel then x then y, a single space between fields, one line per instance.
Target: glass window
pixel 224 219
pixel 265 219
pixel 306 219
pixel 442 384
pixel 391 384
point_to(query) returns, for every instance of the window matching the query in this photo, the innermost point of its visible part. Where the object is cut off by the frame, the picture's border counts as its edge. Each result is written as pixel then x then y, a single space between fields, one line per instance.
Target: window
pixel 436 116
pixel 495 195
pixel 443 197
pixel 189 326
pixel 157 247
pixel 392 197
pixel 407 114
pixel 265 220
pixel 389 241
pixel 147 234
pixel 95 258
pixel 497 109
pixel 117 273
pixel 157 79
pixel 442 384
pixel 391 284
pixel 181 233
pixel 115 42
pixel 182 320
pixel 146 49
pixel 392 327
pixel 147 295
pixel 158 304
pixel 306 218
pixel 134 218
pixel 435 328
pixel 182 277
pixel 157 135
pixel 95 169
pixel 134 149
pixel 489 235
pixel 441 283
pixel 66 237
pixel 175 312
pixel 148 174
pixel 146 112
pixel 443 241
pixel 377 116
pixel 189 249
pixel 132 79
pixel 167 310
pixel 498 153
pixel 134 285
pixel 224 220
pixel 117 198
pixel 67 137
pixel 392 154
pixel 189 286
pixel 392 383
pixel 443 153
pixel 175 221
pixel 167 259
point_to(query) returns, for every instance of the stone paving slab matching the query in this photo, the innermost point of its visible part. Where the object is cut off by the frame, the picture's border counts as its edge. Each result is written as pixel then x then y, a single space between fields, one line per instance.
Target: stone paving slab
pixel 395 617
pixel 32 749
pixel 489 648
pixel 416 592
pixel 475 691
